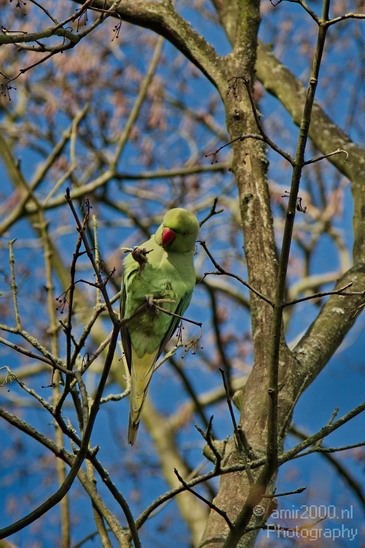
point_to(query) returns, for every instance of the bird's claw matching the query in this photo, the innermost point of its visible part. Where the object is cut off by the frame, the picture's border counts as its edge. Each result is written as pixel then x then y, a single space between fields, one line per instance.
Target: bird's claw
pixel 149 300
pixel 139 254
pixel 153 302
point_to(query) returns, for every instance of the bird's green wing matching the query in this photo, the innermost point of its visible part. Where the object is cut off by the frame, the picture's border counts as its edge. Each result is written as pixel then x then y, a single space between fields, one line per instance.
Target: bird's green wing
pixel 133 294
pixel 180 309
pixel 126 340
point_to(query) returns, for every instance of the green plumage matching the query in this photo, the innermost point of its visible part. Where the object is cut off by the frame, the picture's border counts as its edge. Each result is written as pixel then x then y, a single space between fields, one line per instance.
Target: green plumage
pixel 169 275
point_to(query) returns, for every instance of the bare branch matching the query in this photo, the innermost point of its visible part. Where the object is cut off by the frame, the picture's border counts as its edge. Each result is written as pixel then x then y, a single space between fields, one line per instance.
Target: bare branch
pixel 169 313
pixel 319 436
pixel 14 286
pixel 307 9
pixel 324 156
pixel 206 501
pixel 344 17
pixel 222 271
pixel 100 281
pixel 265 137
pixel 162 18
pixel 341 291
pixel 213 211
pixel 240 437
pixel 208 437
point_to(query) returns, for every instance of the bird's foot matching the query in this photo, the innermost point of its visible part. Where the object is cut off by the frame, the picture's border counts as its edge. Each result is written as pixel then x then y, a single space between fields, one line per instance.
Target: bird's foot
pixel 150 300
pixel 157 301
pixel 139 254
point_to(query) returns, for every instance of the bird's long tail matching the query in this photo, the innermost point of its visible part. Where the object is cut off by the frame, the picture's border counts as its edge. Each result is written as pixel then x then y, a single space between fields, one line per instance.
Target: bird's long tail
pixel 141 374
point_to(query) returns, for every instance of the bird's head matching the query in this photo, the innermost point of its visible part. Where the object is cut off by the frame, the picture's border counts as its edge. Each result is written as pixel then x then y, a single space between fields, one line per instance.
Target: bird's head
pixel 178 231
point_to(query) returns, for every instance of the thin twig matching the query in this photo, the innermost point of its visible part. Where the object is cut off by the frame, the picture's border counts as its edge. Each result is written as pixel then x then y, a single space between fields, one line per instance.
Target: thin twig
pixel 343 18
pixel 323 433
pixel 341 291
pixel 135 111
pixel 230 408
pixel 276 495
pixel 14 288
pixel 57 30
pixel 241 138
pixel 11 376
pixel 213 211
pixel 115 397
pixel 226 363
pixel 266 138
pixel 208 437
pixel 345 473
pixel 222 271
pixel 67 327
pixel 240 437
pixel 324 156
pixel 310 12
pixel 211 505
pixel 169 313
pixel 188 387
pixel 100 281
pixel 52 363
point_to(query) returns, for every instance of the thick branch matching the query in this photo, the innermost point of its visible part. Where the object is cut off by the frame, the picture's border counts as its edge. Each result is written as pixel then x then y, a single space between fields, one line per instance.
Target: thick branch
pixel 328 330
pixel 161 18
pixel 325 135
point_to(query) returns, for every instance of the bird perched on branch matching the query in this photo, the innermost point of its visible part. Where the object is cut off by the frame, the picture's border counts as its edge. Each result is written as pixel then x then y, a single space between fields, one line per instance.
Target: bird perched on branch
pixel 158 283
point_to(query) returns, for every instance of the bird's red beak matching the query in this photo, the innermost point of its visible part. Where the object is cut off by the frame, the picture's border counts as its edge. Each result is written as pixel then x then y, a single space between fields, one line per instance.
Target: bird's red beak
pixel 168 236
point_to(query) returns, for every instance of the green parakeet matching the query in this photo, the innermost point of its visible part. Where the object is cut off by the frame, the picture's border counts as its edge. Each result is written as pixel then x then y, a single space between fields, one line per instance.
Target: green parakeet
pixel 160 270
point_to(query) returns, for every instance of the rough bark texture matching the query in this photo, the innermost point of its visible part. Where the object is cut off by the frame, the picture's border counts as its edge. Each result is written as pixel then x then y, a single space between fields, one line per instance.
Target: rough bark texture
pixel 249 166
pixel 325 135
